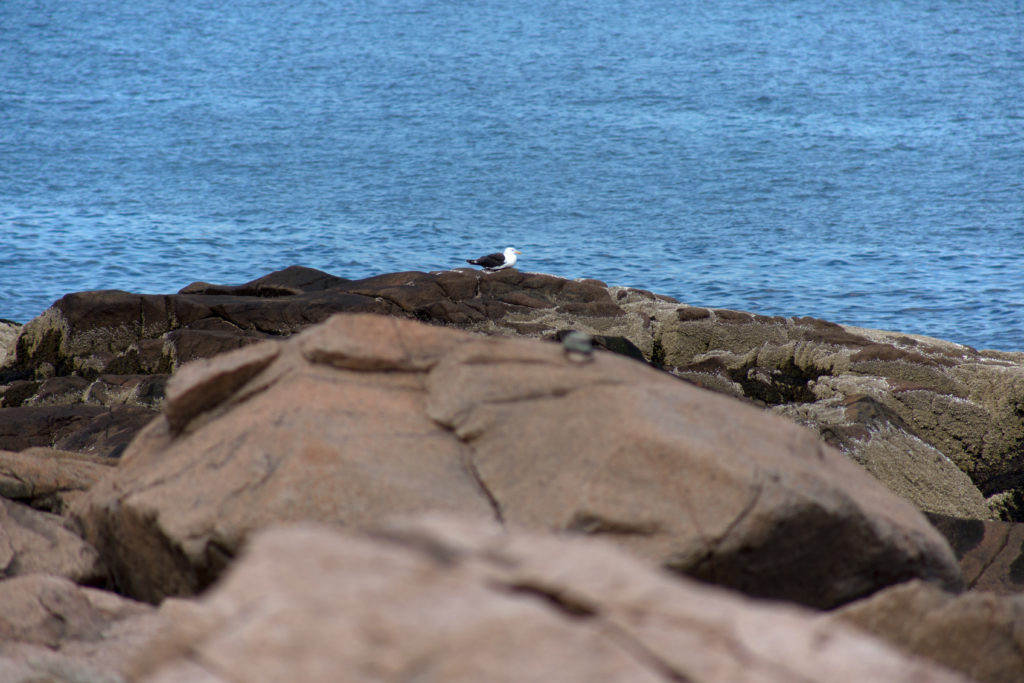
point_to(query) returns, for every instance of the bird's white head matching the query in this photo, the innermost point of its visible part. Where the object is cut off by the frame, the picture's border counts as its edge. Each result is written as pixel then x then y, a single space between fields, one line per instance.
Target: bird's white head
pixel 510 255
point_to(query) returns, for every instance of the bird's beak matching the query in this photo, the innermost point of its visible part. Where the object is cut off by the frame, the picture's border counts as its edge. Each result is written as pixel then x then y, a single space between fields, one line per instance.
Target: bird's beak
pixel 518 252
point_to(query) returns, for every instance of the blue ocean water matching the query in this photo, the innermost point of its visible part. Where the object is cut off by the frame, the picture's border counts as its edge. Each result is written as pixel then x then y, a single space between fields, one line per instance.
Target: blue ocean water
pixel 861 162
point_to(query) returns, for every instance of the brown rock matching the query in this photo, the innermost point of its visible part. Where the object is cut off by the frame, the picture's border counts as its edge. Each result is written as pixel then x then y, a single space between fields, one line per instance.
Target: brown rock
pixel 53 630
pixel 97 430
pixel 85 332
pixel 15 393
pixel 33 542
pixel 991 554
pixel 977 633
pixel 146 391
pixel 286 282
pixel 115 332
pixel 8 334
pixel 197 389
pixel 876 437
pixel 24 427
pixel 369 416
pixel 450 602
pixel 48 479
pixel 59 391
pixel 283 316
pixel 944 402
pixel 108 433
pixel 946 408
pixel 209 338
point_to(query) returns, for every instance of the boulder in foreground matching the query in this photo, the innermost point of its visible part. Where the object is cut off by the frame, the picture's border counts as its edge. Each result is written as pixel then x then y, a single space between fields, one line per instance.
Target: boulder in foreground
pixel 36 542
pixel 446 601
pixel 978 633
pixel 53 630
pixel 366 416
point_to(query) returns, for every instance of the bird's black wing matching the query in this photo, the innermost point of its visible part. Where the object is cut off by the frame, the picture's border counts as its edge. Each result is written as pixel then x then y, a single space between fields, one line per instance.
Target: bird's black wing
pixel 489 261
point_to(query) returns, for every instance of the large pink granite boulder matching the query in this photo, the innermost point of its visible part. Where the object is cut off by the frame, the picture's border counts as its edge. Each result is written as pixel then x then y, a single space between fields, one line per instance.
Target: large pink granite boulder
pixel 446 601
pixel 366 417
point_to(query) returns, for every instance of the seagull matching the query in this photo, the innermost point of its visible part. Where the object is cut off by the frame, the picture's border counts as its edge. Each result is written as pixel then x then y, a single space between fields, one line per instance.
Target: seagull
pixel 493 262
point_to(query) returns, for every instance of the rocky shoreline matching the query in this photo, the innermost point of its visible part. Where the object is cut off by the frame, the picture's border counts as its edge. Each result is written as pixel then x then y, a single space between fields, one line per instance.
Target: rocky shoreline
pixel 150 445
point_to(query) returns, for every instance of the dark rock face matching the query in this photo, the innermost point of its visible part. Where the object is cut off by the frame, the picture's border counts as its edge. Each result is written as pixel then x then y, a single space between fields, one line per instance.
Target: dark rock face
pixel 69 412
pixel 90 333
pixel 991 554
pixel 87 428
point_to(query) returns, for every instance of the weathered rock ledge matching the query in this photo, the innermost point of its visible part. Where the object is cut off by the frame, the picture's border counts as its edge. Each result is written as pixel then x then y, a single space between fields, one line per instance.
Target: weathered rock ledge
pixel 939 423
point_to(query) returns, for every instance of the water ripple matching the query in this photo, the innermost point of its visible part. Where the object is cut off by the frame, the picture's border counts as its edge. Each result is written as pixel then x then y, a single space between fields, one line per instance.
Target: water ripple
pixel 801 159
